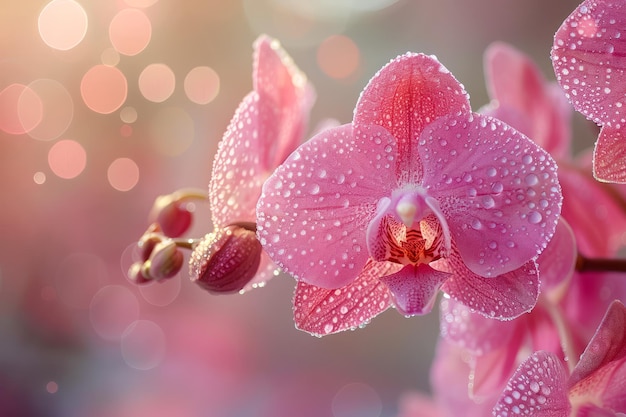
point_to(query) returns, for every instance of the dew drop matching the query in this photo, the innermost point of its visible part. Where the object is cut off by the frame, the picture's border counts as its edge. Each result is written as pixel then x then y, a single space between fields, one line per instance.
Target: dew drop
pixel 476 224
pixel 534 217
pixel 491 172
pixel 497 187
pixel 488 202
pixel 531 179
pixel 527 159
pixel 315 189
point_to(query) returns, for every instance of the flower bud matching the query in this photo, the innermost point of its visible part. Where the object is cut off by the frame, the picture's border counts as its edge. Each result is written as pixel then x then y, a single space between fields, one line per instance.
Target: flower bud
pixel 135 273
pixel 169 212
pixel 148 241
pixel 165 261
pixel 227 259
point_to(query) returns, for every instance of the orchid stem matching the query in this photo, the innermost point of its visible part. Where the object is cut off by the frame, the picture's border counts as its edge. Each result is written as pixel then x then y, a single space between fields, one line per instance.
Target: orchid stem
pixel 584 264
pixel 565 336
pixel 186 243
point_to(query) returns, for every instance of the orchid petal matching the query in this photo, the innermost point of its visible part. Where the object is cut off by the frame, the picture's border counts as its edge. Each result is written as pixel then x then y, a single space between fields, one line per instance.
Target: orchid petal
pixel 497 189
pixel 538 388
pixel 414 288
pixel 557 261
pixel 491 371
pixel 472 331
pixel 320 311
pixel 515 82
pixel 609 155
pixel 286 98
pixel 266 127
pixel 314 209
pixel 595 209
pixel 407 94
pixel 589 60
pixel 503 297
pixel 607 345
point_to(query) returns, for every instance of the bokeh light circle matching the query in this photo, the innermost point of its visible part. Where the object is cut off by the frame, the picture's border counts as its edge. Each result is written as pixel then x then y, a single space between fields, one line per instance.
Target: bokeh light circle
pixel 172 131
pixel 357 400
pixel 128 114
pixel 123 174
pixel 157 82
pixel 62 24
pixel 140 3
pixel 143 345
pixel 130 31
pixel 78 278
pixel 39 177
pixel 58 109
pixel 161 293
pixel 112 309
pixel 21 109
pixel 104 88
pixel 67 158
pixel 338 56
pixel 202 84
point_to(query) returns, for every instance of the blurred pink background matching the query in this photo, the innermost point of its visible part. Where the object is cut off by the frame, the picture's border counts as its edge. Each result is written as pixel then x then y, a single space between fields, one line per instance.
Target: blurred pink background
pixel 106 104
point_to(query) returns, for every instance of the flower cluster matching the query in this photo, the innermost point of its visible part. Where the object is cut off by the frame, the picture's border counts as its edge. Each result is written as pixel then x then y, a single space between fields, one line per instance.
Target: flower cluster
pixel 419 195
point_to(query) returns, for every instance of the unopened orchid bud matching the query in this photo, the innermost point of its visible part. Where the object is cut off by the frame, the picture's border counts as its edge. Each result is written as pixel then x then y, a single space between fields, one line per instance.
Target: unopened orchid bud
pixel 226 259
pixel 171 214
pixel 165 261
pixel 148 241
pixel 135 273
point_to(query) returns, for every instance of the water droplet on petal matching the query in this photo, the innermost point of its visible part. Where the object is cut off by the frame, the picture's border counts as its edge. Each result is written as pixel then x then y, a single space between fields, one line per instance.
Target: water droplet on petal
pixel 534 217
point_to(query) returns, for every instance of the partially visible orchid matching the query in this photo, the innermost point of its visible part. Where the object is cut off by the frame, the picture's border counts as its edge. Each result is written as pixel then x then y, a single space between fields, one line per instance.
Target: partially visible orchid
pixel 588 59
pixel 267 126
pixel 542 387
pixel 416 194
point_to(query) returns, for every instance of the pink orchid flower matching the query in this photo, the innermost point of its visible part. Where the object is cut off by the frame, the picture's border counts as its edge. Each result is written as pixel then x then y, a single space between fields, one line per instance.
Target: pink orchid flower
pixel 416 194
pixel 541 386
pixel 268 125
pixel 588 59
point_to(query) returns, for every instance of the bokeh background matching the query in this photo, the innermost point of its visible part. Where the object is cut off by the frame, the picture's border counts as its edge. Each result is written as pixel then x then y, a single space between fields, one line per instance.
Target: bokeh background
pixel 106 104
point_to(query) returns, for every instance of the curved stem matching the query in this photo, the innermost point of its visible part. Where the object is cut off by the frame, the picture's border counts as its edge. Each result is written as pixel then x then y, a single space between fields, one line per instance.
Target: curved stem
pixel 190 194
pixel 565 336
pixel 584 264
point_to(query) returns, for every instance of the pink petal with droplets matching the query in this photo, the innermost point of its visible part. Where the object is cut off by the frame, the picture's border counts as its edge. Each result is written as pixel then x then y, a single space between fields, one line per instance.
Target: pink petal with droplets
pixel 557 262
pixel 538 388
pixel 472 331
pixel 503 297
pixel 609 156
pixel 414 288
pixel 267 126
pixel 315 208
pixel 407 94
pixel 607 345
pixel 498 190
pixel 589 60
pixel 515 82
pixel 286 98
pixel 320 311
pixel 595 211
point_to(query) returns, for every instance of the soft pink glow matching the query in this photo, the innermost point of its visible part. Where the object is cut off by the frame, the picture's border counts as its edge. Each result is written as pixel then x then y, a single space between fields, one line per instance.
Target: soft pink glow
pixel 21 109
pixel 143 345
pixel 110 323
pixel 67 158
pixel 52 387
pixel 123 174
pixel 104 89
pixel 57 112
pixel 157 82
pixel 161 293
pixel 338 56
pixel 78 279
pixel 140 3
pixel 130 31
pixel 128 114
pixel 202 84
pixel 62 24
